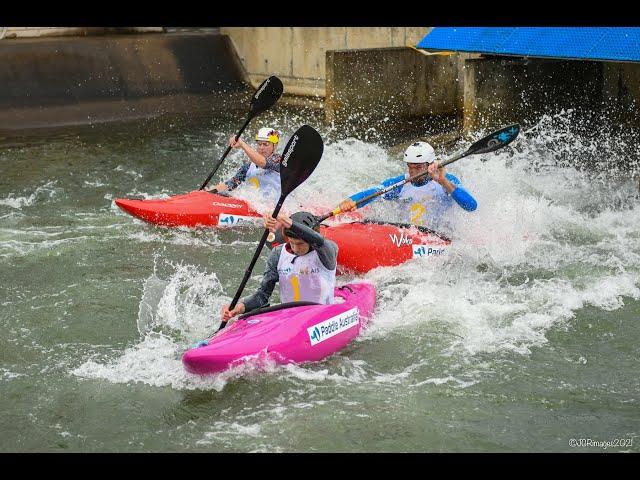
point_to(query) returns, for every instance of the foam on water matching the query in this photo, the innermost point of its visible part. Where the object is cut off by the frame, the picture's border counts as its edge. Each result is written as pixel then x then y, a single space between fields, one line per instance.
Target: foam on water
pixel 177 237
pixel 41 193
pixel 174 313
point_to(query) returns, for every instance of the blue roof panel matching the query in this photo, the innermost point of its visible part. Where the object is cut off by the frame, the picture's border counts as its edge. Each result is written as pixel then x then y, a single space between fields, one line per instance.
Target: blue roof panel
pixel 586 43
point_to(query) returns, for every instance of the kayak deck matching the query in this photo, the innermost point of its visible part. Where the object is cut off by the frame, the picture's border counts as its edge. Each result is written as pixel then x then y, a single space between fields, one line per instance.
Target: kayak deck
pixel 193 209
pixel 363 246
pixel 293 334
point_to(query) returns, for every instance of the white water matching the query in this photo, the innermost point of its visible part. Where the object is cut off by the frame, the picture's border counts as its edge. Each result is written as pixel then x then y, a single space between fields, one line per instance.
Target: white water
pixel 542 244
pixel 41 193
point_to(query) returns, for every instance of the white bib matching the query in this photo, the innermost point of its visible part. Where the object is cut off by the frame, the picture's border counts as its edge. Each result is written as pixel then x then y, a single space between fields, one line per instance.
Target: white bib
pixel 305 278
pixel 423 204
pixel 266 181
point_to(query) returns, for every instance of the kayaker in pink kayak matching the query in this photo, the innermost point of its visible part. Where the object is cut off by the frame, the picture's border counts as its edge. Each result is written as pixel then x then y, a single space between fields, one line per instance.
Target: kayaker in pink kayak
pixel 304 266
pixel 423 202
pixel 263 170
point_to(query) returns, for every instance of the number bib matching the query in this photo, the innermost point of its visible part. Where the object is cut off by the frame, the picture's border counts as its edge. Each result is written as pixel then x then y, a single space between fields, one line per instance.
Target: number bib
pixel 304 278
pixel 267 181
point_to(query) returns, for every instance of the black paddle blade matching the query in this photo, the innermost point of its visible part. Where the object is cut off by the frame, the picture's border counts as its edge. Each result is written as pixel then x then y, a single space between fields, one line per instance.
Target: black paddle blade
pixel 300 158
pixel 266 95
pixel 496 140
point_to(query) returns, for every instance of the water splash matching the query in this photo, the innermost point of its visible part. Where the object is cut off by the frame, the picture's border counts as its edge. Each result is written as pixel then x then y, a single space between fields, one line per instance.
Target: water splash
pixel 41 193
pixel 543 243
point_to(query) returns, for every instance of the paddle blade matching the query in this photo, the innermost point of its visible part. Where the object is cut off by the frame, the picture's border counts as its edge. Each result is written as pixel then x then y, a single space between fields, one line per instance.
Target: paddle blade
pixel 496 140
pixel 266 95
pixel 300 158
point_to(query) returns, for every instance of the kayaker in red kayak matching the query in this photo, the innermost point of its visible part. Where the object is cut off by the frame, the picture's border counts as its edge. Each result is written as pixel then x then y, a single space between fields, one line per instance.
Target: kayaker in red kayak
pixel 423 202
pixel 304 266
pixel 263 170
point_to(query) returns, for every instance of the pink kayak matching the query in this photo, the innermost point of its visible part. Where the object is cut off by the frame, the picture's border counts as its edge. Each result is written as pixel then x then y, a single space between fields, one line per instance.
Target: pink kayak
pixel 193 209
pixel 293 332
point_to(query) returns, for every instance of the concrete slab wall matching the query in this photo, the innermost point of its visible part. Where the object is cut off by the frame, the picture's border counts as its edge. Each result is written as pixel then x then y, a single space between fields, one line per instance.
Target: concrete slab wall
pixel 71 69
pixel 621 91
pixel 503 90
pixel 297 54
pixel 395 85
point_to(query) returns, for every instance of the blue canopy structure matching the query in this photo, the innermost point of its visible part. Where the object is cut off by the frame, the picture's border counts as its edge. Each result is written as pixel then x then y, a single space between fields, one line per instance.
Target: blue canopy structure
pixel 620 44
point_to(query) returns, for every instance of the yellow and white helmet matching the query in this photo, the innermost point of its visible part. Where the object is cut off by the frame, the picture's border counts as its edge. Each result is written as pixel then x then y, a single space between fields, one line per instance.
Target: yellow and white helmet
pixel 266 134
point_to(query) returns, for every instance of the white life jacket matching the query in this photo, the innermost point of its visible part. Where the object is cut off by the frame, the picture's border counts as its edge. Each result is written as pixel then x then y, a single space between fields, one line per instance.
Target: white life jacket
pixel 305 278
pixel 266 181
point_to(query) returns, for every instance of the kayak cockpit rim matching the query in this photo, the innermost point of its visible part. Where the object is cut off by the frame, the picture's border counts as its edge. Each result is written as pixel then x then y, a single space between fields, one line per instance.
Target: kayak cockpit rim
pixel 274 308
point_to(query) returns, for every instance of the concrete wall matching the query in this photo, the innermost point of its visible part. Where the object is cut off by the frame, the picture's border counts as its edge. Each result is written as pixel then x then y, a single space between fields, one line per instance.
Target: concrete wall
pixel 621 91
pixel 392 87
pixel 297 54
pixel 64 69
pixel 502 90
pixel 57 72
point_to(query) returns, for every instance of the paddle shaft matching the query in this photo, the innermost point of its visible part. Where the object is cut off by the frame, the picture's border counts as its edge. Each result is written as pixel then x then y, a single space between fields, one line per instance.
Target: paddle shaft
pixel 226 152
pixel 247 274
pixel 395 185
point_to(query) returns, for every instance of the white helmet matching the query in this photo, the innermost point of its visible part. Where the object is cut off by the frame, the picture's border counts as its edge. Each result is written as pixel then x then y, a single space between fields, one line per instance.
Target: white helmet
pixel 419 152
pixel 266 134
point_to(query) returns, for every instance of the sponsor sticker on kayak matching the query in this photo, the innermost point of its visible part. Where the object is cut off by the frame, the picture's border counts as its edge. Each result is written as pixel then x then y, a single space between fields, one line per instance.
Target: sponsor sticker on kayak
pixel 403 239
pixel 333 326
pixel 227 205
pixel 420 251
pixel 228 220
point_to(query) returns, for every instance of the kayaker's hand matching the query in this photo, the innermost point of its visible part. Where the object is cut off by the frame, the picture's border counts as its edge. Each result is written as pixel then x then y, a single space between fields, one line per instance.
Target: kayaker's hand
pixel 436 172
pixel 221 187
pixel 271 223
pixel 227 314
pixel 234 143
pixel 284 220
pixel 348 205
pixel 440 175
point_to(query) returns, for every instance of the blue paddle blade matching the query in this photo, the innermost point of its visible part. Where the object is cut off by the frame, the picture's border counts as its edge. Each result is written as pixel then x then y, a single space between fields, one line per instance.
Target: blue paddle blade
pixel 496 140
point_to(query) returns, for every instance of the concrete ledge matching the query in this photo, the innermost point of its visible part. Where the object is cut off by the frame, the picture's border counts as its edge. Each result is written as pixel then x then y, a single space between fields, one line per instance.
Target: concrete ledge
pixel 391 87
pixel 102 111
pixel 502 90
pixel 64 71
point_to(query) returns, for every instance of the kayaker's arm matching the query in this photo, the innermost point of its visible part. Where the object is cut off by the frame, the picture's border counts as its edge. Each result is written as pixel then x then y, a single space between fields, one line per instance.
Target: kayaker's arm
pixel 384 184
pixel 269 163
pixel 269 279
pixel 328 254
pixel 238 178
pixel 327 249
pixel 461 195
pixel 273 163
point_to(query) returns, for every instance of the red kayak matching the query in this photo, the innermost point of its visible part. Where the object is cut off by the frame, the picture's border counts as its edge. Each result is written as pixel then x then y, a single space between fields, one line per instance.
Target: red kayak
pixel 197 208
pixel 200 209
pixel 364 246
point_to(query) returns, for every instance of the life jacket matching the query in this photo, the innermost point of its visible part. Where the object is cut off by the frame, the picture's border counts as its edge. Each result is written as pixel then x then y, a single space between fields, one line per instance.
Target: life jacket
pixel 266 181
